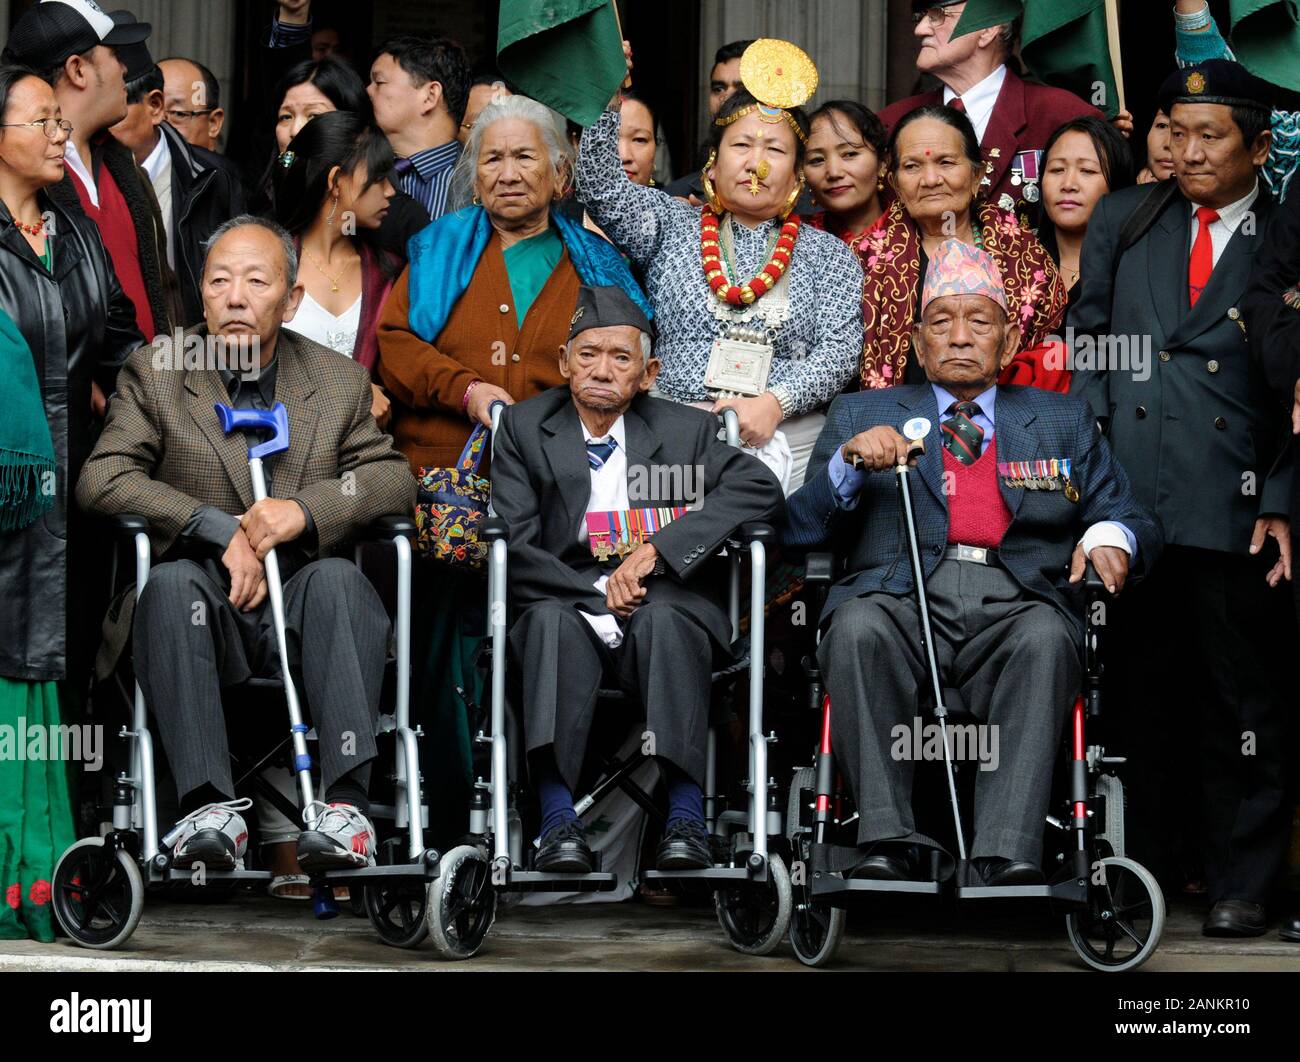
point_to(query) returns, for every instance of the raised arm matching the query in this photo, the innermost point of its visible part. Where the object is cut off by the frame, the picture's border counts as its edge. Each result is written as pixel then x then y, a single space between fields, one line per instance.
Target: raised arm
pixel 632 216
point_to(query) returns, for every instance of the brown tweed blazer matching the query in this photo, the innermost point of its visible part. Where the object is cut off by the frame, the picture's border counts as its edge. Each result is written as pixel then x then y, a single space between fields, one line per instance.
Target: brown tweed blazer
pixel 163 454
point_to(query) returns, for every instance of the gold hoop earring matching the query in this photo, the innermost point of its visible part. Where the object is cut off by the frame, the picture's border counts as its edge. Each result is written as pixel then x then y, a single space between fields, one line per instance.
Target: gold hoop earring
pixel 476 201
pixel 710 193
pixel 788 206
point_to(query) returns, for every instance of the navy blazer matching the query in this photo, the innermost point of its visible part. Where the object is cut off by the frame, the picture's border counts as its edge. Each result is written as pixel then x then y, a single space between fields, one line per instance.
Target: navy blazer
pixel 1030 425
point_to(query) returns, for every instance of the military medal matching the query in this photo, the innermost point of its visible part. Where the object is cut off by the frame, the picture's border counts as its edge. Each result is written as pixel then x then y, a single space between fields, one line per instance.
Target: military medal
pixel 1031 193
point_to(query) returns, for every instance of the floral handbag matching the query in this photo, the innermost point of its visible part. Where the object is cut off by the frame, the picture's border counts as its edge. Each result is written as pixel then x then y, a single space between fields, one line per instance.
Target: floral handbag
pixel 450 503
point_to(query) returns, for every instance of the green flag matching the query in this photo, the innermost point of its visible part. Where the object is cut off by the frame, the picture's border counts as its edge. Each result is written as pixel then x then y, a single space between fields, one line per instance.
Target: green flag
pixel 1266 39
pixel 568 54
pixel 1062 43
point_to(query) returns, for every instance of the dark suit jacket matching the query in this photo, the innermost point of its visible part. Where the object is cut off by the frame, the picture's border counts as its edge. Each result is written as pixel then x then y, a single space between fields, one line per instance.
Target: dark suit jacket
pixel 1202 428
pixel 1030 424
pixel 1273 326
pixel 541 483
pixel 1024 116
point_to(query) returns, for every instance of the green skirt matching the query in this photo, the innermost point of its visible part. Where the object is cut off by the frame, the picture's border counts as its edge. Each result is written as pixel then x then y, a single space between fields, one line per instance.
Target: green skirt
pixel 35 813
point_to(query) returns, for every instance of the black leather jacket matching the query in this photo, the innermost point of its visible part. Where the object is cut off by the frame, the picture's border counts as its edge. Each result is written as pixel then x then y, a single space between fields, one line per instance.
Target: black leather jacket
pixel 80 326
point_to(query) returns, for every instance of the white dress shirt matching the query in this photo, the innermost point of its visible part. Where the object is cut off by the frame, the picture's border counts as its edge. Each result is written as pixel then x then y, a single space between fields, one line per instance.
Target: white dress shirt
pixel 979 99
pixel 78 167
pixel 1230 217
pixel 608 493
pixel 159 168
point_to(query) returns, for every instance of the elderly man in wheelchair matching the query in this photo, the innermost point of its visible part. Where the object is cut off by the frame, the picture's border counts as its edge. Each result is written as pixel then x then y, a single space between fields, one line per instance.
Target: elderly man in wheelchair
pixel 203 622
pixel 1017 492
pixel 616 503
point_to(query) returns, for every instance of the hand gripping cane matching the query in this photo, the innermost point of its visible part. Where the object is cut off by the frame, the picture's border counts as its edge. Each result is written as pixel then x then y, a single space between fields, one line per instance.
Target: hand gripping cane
pixel 916 430
pixel 275 422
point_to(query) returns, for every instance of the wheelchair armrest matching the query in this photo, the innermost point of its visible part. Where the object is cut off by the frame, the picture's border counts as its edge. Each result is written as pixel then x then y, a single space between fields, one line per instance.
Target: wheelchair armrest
pixel 820 569
pixel 387 528
pixel 128 525
pixel 756 531
pixel 492 529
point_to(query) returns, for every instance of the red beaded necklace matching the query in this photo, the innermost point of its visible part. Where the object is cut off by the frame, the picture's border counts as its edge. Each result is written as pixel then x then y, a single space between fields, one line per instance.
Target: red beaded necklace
pixel 767 277
pixel 31 230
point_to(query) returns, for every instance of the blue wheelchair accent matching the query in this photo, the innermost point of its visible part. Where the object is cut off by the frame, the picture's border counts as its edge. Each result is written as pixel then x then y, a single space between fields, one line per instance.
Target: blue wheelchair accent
pixel 323 903
pixel 299 728
pixel 302 763
pixel 274 420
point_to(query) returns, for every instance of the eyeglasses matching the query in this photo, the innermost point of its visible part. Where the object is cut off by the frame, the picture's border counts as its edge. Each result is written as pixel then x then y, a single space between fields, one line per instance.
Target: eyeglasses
pixel 51 127
pixel 185 116
pixel 936 16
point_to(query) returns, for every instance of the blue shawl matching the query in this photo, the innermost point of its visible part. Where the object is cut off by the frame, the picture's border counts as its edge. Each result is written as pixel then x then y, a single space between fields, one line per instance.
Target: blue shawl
pixel 444 255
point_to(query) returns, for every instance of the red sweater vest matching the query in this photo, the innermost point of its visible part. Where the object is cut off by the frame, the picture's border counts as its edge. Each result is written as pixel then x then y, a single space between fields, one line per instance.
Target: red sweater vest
pixel 117 229
pixel 977 513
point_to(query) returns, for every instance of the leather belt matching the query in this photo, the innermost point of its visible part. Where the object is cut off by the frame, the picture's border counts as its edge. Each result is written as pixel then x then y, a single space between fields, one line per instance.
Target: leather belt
pixel 974 555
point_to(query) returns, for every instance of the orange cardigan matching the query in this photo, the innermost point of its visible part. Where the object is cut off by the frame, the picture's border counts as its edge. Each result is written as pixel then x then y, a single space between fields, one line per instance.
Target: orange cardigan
pixel 481 340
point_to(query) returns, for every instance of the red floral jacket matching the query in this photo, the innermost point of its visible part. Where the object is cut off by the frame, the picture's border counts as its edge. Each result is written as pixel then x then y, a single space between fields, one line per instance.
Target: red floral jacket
pixel 891 260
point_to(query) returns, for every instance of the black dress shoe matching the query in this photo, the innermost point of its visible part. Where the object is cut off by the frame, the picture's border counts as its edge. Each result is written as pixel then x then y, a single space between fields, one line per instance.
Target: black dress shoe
pixel 1235 918
pixel 685 846
pixel 998 872
pixel 564 850
pixel 1291 927
pixel 893 862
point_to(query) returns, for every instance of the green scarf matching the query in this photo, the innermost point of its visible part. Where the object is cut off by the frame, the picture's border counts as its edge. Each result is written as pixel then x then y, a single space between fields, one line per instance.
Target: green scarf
pixel 26 449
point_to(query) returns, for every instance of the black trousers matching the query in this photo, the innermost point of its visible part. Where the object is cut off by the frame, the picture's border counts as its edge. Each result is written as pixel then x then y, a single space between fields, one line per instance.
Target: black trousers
pixel 189 642
pixel 665 660
pixel 1198 696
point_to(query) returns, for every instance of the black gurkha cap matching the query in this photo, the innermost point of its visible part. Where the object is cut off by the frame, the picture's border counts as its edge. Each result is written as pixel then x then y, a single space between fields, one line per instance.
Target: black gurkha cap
pixel 53 30
pixel 607 307
pixel 1216 81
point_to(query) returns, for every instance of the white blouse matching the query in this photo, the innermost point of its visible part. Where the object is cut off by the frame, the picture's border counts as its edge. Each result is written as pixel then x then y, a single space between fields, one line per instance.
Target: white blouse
pixel 318 324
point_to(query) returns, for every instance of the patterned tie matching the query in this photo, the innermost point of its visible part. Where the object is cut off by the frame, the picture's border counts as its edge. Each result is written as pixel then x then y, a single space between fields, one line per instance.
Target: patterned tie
pixel 962 437
pixel 1202 263
pixel 598 452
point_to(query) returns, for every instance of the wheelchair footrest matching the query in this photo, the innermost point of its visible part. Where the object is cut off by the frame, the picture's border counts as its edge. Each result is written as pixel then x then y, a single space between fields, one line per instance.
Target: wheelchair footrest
pixel 185 876
pixel 718 874
pixel 1065 890
pixel 546 881
pixel 376 874
pixel 831 884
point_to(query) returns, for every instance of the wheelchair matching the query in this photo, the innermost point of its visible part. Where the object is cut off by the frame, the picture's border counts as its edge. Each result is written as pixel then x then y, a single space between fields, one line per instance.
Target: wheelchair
pixel 1114 908
pixel 751 883
pixel 99 883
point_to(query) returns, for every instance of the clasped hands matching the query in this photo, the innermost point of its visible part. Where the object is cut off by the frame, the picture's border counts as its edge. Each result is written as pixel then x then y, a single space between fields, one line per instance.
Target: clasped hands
pixel 266 525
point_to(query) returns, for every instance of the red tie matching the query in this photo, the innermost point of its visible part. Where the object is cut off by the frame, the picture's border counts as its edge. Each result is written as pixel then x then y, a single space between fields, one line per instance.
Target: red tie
pixel 957 104
pixel 1202 263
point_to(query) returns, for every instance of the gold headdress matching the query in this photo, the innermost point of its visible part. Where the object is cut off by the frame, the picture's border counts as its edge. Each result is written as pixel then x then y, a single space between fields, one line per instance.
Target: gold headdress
pixel 778 75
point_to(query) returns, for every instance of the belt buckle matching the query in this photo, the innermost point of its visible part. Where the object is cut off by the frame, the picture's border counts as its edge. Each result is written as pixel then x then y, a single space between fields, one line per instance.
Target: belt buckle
pixel 973 553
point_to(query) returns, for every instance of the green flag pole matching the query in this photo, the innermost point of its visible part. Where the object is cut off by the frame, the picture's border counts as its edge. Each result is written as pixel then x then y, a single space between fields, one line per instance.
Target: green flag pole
pixel 1112 39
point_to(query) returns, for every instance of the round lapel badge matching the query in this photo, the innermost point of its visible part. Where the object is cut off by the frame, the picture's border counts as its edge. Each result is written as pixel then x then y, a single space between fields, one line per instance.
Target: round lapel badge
pixel 915 429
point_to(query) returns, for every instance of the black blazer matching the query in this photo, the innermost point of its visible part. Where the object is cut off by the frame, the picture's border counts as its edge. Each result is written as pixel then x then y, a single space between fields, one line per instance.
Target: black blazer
pixel 1197 430
pixel 541 483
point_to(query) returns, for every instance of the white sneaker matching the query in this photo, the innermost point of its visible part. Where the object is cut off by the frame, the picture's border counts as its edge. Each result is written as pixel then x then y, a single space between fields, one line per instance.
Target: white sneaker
pixel 215 836
pixel 338 837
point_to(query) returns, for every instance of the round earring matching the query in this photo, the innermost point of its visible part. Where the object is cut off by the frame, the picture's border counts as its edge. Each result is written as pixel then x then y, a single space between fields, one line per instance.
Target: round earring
pixel 788 206
pixel 880 183
pixel 710 193
pixel 476 201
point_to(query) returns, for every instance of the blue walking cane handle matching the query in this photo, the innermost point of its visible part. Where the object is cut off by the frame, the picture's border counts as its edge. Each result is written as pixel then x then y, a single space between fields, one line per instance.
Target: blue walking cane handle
pixel 274 420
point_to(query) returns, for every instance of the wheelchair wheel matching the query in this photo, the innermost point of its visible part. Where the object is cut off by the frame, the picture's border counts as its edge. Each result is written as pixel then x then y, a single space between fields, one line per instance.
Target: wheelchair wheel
pixel 756 917
pixel 397 912
pixel 98 894
pixel 1121 927
pixel 462 903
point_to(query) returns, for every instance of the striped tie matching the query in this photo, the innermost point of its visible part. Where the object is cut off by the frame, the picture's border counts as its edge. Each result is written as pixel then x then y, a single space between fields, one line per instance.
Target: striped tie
pixel 598 452
pixel 962 437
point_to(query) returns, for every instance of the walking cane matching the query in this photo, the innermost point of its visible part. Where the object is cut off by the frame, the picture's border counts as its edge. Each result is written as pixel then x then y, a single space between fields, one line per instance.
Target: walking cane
pixel 915 430
pixel 275 422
